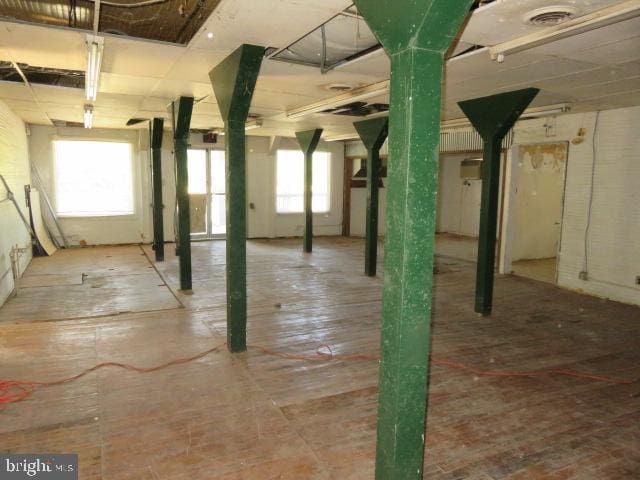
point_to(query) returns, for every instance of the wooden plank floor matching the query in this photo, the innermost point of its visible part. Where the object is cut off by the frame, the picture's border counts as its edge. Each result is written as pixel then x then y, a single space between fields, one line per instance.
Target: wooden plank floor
pixel 253 416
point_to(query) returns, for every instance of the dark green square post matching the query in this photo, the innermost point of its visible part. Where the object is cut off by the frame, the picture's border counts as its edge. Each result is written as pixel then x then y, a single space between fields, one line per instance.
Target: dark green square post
pixel 373 133
pixel 233 82
pixel 415 35
pixel 155 135
pixel 492 117
pixel 181 111
pixel 308 141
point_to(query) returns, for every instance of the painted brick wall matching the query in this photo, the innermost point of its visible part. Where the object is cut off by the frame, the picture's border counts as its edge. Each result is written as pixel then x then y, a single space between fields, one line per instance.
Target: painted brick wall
pixel 14 166
pixel 613 241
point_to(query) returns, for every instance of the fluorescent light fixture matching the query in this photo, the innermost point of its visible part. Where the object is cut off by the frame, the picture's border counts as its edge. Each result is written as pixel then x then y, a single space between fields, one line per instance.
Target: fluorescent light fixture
pixel 355 95
pixel 341 137
pixel 88 116
pixel 95 49
pixel 598 19
pixel 253 124
pixel 535 112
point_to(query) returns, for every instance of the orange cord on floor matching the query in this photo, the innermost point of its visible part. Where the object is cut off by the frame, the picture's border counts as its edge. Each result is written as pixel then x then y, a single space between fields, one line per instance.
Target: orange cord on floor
pixel 12 391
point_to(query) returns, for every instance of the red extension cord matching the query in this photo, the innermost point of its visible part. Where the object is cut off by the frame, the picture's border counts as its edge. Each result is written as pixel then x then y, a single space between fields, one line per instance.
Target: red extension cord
pixel 12 391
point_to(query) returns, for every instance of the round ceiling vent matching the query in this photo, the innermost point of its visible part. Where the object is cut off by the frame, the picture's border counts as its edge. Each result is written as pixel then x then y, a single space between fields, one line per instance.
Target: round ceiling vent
pixel 339 87
pixel 550 16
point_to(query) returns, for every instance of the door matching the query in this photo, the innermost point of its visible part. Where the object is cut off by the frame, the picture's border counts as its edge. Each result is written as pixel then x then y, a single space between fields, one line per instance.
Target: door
pixel 207 193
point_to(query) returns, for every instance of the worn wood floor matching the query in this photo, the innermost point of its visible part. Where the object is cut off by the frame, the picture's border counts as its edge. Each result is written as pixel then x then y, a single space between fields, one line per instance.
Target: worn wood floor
pixel 253 416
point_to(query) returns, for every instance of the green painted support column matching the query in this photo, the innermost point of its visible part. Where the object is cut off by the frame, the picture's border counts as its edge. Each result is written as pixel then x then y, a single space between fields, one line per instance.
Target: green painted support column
pixel 415 35
pixel 155 134
pixel 181 111
pixel 308 141
pixel 373 133
pixel 233 82
pixel 492 117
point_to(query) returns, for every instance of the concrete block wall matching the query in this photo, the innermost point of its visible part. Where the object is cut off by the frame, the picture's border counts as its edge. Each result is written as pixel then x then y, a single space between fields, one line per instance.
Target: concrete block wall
pixel 613 237
pixel 14 166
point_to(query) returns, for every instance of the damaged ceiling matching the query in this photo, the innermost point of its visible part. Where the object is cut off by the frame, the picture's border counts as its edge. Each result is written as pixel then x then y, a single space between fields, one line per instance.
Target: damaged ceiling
pixel 174 21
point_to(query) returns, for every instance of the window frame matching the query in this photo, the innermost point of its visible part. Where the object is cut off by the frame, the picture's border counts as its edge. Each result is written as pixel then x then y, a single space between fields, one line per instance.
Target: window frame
pixel 329 184
pixel 134 177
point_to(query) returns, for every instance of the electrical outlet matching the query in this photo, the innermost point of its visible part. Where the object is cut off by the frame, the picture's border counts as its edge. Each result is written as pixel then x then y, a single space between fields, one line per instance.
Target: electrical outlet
pixel 583 275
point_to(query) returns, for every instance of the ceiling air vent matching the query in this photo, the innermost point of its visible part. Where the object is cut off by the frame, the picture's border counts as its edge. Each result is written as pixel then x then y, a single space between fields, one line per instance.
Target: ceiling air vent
pixel 550 16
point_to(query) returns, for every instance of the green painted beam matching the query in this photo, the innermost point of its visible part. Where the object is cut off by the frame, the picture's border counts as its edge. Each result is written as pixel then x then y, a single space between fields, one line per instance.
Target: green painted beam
pixel 156 131
pixel 233 82
pixel 308 141
pixel 415 35
pixel 373 133
pixel 181 111
pixel 492 117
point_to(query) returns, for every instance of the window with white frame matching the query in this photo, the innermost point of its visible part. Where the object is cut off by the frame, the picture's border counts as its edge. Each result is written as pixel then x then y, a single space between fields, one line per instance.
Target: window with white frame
pixel 93 178
pixel 290 182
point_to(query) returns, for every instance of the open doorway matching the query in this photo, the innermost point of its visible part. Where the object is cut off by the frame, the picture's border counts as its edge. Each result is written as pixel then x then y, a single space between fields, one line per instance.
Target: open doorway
pixel 207 193
pixel 537 210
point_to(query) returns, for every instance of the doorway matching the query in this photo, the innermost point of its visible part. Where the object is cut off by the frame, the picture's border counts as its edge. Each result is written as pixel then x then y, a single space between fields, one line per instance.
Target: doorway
pixel 207 200
pixel 539 203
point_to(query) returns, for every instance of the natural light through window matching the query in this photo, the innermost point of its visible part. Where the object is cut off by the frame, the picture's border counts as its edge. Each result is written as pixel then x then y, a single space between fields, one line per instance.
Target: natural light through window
pixel 290 182
pixel 93 179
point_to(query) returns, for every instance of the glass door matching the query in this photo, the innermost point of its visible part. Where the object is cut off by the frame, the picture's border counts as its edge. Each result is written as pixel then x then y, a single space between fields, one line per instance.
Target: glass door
pixel 207 193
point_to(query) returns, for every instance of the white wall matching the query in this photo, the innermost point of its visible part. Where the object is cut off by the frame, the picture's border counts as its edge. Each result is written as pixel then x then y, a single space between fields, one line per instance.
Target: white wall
pixel 613 241
pixel 458 199
pixel 14 166
pixel 134 228
pixel 262 220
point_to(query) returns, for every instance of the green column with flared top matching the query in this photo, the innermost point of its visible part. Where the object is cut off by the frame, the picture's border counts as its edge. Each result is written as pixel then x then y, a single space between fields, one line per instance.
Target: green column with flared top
pixel 415 35
pixel 492 117
pixel 156 131
pixel 233 82
pixel 181 111
pixel 308 141
pixel 373 133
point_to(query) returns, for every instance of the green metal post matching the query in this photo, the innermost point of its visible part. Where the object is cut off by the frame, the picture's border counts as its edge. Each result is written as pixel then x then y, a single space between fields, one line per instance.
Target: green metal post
pixel 181 111
pixel 373 133
pixel 492 117
pixel 233 82
pixel 155 135
pixel 415 34
pixel 308 141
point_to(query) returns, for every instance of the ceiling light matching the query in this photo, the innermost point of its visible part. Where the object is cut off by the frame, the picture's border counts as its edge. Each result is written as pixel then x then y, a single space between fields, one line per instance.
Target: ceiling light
pixel 535 112
pixel 598 19
pixel 357 94
pixel 209 35
pixel 88 116
pixel 341 137
pixel 95 48
pixel 253 124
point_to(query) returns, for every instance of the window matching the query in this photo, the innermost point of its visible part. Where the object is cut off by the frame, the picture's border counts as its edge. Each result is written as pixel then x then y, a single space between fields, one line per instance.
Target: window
pixel 93 179
pixel 290 182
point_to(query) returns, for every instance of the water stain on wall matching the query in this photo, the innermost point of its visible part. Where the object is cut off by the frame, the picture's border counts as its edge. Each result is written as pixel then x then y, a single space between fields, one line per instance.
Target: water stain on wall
pixel 537 154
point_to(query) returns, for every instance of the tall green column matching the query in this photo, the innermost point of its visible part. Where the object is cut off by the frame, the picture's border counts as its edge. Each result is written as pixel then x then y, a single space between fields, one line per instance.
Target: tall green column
pixel 373 133
pixel 156 131
pixel 308 141
pixel 181 111
pixel 233 82
pixel 415 35
pixel 492 117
